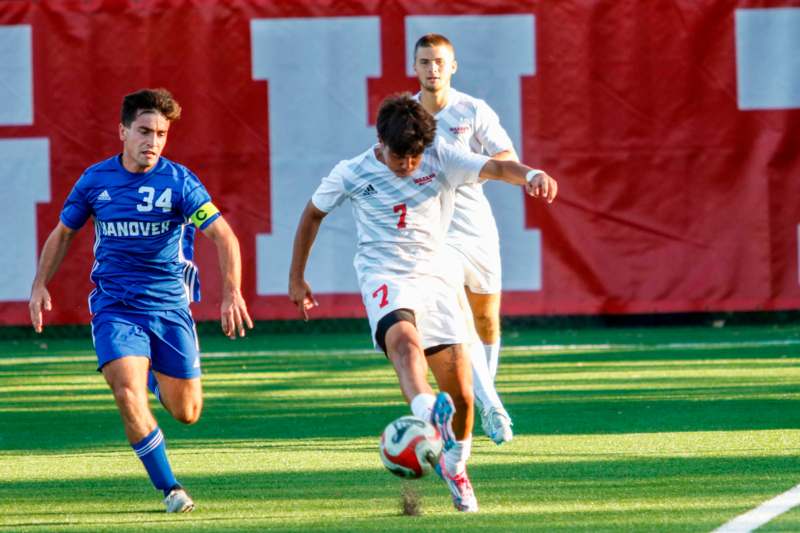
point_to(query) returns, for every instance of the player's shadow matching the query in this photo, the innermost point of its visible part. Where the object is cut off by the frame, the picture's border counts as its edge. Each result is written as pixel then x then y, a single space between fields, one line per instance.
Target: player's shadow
pixel 520 495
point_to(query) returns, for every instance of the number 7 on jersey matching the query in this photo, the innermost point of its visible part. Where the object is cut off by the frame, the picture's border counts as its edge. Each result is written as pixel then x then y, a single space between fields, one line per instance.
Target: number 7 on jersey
pixel 401 208
pixel 383 292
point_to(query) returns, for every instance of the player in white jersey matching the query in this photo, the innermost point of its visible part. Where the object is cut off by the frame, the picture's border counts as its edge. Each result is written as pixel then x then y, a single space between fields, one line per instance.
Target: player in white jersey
pixel 402 192
pixel 470 124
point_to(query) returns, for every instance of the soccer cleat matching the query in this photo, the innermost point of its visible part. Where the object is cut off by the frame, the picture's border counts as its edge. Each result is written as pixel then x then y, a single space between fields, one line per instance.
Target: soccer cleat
pixel 460 488
pixel 442 419
pixel 497 425
pixel 178 501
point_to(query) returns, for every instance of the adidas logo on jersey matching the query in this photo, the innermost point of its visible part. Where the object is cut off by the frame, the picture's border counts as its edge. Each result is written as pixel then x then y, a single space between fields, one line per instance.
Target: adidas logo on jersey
pixel 369 191
pixel 104 196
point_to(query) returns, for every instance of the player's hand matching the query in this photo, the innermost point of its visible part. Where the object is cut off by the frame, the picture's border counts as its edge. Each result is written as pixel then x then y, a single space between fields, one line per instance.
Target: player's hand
pixel 542 186
pixel 301 296
pixel 40 300
pixel 234 315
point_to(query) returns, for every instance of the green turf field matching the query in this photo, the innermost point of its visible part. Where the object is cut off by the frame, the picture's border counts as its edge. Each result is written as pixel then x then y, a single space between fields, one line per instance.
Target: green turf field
pixel 669 429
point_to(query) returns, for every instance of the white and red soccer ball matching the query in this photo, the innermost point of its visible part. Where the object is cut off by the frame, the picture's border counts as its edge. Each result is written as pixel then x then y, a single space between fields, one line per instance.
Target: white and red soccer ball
pixel 410 447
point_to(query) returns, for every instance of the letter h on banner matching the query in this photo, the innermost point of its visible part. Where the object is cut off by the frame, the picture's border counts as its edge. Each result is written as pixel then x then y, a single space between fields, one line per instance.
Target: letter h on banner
pixel 318 116
pixel 768 63
pixel 24 166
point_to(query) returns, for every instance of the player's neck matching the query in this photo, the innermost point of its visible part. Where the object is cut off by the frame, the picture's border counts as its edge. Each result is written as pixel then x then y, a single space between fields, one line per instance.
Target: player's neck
pixel 129 164
pixel 434 101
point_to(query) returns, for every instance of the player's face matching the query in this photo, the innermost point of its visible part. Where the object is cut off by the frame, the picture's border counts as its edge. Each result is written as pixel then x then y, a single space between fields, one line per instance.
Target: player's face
pixel 401 166
pixel 143 141
pixel 434 66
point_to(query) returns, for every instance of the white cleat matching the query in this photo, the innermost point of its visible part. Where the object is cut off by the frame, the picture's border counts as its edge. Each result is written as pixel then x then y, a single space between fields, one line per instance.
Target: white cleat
pixel 178 501
pixel 464 499
pixel 497 425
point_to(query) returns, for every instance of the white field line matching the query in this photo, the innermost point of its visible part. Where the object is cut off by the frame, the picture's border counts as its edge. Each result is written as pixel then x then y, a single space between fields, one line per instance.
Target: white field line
pixel 747 522
pixel 506 349
pixel 657 346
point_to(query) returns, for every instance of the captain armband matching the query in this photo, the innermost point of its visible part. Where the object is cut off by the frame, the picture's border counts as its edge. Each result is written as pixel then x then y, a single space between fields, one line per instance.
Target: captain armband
pixel 207 212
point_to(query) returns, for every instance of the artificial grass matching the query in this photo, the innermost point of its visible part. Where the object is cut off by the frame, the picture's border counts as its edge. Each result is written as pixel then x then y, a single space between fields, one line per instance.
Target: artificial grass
pixel 641 429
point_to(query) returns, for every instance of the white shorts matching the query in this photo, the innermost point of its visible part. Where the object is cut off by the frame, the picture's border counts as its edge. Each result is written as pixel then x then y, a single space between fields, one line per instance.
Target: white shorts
pixel 481 263
pixel 438 313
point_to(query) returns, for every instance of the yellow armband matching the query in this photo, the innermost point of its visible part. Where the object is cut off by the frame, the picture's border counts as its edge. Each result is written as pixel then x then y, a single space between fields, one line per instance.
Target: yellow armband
pixel 206 211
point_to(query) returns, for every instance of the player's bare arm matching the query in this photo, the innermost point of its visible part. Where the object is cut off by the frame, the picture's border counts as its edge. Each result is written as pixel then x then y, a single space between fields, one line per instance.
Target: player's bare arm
pixel 537 183
pixel 53 252
pixel 299 290
pixel 506 155
pixel 233 309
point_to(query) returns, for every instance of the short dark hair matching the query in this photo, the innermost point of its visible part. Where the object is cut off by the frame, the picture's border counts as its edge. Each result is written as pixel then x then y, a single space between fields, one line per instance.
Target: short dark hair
pixel 160 100
pixel 429 40
pixel 404 126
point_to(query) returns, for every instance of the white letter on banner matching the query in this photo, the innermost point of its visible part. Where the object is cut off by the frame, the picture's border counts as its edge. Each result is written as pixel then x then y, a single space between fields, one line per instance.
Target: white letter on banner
pixel 317 70
pixel 16 78
pixel 493 52
pixel 24 167
pixel 768 58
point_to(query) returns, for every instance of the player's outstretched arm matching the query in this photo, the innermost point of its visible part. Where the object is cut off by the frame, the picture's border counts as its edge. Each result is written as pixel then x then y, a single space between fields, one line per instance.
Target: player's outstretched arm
pixel 299 290
pixel 506 155
pixel 53 252
pixel 233 310
pixel 537 182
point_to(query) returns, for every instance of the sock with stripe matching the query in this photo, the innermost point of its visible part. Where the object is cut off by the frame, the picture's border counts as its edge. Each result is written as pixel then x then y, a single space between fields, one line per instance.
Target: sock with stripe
pixel 152 451
pixel 152 384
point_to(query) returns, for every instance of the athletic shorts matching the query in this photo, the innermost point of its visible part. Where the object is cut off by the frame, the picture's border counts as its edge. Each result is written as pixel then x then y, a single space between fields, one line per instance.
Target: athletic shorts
pixel 167 338
pixel 481 263
pixel 439 317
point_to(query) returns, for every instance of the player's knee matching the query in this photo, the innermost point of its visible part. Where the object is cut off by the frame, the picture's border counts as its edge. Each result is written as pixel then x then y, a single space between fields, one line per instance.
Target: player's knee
pixel 126 396
pixel 188 413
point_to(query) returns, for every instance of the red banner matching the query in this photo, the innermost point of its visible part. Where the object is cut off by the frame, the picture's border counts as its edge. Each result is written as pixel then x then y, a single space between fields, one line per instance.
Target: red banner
pixel 672 128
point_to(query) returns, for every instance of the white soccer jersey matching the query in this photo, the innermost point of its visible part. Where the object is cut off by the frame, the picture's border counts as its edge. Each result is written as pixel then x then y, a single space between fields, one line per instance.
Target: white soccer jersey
pixel 401 222
pixel 471 125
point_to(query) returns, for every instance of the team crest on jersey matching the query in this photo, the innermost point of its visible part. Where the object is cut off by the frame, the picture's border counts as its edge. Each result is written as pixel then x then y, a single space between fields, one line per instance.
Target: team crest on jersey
pixel 424 180
pixel 369 190
pixel 459 130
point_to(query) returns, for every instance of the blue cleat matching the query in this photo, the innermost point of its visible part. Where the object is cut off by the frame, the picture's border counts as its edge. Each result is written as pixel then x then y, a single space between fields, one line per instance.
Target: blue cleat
pixel 442 419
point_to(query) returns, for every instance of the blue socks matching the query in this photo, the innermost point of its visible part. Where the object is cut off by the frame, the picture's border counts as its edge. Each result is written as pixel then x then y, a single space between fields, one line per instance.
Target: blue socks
pixel 152 384
pixel 152 450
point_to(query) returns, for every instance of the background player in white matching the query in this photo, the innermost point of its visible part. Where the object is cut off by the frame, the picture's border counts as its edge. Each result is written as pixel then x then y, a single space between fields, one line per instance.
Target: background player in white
pixel 401 191
pixel 470 124
pixel 141 204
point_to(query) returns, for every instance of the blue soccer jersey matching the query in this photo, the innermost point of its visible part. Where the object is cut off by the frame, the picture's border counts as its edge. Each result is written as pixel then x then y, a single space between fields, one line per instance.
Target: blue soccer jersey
pixel 142 232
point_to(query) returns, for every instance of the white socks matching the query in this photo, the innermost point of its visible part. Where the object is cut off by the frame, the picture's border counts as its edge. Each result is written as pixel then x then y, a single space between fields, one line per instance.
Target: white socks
pixel 422 406
pixel 455 460
pixel 492 352
pixel 482 380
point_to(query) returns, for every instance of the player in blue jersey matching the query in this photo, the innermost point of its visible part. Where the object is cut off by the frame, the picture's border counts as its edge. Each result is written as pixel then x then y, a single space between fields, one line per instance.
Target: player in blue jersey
pixel 142 205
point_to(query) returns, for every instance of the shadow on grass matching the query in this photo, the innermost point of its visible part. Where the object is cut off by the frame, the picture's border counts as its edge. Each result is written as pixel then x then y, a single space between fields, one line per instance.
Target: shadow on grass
pixel 306 396
pixel 634 494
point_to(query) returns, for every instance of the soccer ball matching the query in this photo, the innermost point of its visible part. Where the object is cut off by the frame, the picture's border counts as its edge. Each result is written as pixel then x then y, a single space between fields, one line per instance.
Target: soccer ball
pixel 410 447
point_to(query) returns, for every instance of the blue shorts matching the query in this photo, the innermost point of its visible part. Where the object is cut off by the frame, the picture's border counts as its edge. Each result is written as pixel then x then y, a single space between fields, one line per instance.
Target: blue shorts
pixel 167 338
